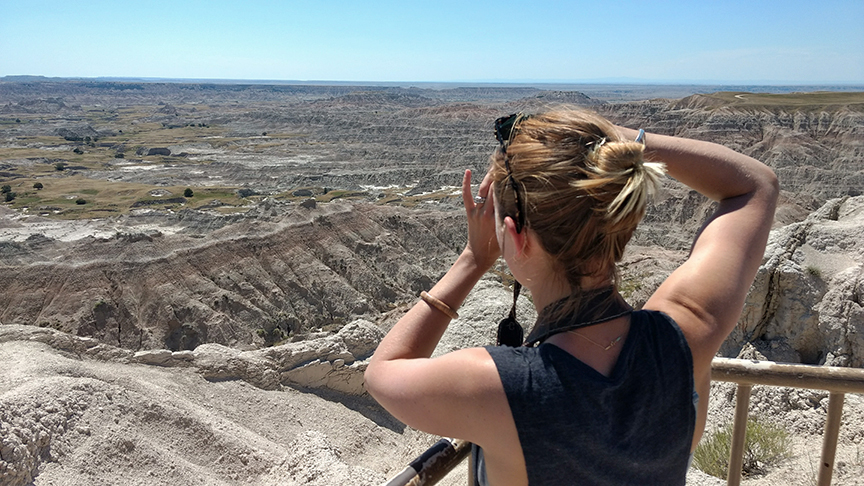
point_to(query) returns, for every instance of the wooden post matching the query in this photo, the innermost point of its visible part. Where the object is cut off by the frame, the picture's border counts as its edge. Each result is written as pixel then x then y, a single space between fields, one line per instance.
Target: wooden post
pixel 739 433
pixel 829 441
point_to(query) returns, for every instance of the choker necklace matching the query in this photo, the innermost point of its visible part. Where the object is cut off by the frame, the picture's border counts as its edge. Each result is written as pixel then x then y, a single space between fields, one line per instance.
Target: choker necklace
pixel 595 343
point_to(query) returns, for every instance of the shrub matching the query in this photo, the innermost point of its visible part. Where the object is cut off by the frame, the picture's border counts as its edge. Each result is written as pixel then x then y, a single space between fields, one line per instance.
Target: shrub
pixel 6 189
pixel 276 328
pixel 10 196
pixel 38 186
pixel 60 166
pixel 188 192
pixel 80 200
pixel 814 271
pixel 765 445
pixel 271 338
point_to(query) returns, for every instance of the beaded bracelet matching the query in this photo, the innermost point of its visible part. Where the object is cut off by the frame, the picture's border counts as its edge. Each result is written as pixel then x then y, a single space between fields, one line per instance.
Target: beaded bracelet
pixel 438 304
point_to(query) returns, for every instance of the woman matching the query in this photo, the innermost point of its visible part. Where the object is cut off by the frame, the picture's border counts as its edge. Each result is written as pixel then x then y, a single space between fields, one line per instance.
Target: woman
pixel 610 395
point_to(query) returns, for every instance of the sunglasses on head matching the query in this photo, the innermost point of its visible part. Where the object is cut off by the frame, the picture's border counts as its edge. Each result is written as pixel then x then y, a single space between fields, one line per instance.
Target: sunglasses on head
pixel 510 333
pixel 504 127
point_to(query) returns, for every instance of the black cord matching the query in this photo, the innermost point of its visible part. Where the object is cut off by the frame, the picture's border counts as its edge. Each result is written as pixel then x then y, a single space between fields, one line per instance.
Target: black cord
pixel 510 333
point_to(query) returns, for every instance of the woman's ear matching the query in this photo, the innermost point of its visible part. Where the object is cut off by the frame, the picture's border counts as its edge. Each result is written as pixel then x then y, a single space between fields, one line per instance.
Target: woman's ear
pixel 520 238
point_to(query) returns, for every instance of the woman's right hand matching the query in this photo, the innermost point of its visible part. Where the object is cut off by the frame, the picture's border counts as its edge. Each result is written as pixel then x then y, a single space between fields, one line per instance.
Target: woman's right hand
pixel 482 242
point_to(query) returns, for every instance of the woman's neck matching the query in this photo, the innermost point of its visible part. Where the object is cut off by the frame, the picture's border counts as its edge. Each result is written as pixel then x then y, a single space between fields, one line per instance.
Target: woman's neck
pixel 540 273
pixel 547 291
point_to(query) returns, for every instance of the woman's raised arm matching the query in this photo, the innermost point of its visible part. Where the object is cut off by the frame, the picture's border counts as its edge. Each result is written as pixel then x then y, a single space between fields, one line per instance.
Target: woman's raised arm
pixel 455 394
pixel 706 294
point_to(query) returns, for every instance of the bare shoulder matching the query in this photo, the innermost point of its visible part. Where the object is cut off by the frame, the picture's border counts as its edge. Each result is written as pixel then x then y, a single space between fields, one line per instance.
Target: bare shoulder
pixel 458 394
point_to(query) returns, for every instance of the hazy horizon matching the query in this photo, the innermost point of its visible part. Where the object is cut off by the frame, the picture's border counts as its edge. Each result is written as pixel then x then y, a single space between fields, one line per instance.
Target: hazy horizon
pixel 548 84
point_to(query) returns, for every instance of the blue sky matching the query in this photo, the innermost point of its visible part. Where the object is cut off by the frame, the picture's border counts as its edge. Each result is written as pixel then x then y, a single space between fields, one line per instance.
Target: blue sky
pixel 753 42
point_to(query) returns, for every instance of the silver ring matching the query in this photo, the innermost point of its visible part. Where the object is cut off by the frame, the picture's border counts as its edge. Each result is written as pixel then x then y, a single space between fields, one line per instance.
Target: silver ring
pixel 479 199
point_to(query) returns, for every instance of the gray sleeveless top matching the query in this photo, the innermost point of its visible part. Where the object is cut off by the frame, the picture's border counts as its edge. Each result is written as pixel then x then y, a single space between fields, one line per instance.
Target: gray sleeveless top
pixel 577 426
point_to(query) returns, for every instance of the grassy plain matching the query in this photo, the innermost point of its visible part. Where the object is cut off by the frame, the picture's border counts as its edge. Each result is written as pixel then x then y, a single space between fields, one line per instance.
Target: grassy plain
pixel 60 197
pixel 62 166
pixel 809 102
pixel 72 170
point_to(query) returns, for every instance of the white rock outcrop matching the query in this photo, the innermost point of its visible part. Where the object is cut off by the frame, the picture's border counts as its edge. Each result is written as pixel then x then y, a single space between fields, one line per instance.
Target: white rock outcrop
pixel 806 302
pixel 334 361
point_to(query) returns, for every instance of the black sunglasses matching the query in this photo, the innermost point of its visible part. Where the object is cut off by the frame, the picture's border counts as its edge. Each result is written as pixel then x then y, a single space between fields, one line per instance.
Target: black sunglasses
pixel 503 132
pixel 510 333
pixel 504 128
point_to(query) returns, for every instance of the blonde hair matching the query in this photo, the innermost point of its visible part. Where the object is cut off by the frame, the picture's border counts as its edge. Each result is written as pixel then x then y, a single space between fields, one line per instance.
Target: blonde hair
pixel 582 189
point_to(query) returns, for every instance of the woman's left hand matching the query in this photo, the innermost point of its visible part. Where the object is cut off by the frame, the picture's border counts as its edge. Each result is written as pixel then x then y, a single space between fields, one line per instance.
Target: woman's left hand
pixel 482 241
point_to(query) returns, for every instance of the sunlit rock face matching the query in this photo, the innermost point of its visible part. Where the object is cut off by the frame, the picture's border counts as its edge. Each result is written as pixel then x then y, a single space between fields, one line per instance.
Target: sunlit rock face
pixel 806 302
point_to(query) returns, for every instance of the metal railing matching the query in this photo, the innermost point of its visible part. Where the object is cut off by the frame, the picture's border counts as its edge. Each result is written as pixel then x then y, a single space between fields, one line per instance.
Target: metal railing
pixel 429 468
pixel 433 465
pixel 746 373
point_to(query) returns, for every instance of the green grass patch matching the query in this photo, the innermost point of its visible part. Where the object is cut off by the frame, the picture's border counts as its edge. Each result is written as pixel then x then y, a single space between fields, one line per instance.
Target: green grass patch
pixel 765 445
pixel 631 284
pixel 59 195
pixel 31 153
pixel 27 200
pixel 340 194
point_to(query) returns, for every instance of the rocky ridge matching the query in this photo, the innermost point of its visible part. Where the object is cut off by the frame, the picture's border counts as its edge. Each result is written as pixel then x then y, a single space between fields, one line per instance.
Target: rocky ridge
pixel 815 151
pixel 90 407
pixel 300 269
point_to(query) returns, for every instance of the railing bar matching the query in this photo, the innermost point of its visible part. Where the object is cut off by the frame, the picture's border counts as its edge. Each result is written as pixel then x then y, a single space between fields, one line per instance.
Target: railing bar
pixel 431 466
pixel 835 379
pixel 739 433
pixel 829 442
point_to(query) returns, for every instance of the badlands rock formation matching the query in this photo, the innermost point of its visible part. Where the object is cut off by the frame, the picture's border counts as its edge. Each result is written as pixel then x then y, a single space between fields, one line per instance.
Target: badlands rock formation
pixel 84 412
pixel 807 303
pixel 302 268
pixel 134 345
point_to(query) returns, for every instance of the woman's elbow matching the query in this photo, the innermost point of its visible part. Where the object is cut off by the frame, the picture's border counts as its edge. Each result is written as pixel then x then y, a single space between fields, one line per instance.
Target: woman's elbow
pixel 771 187
pixel 772 181
pixel 767 185
pixel 372 378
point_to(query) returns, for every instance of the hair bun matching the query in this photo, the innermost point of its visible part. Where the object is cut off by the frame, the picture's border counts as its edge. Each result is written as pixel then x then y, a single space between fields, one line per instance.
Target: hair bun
pixel 619 156
pixel 622 164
